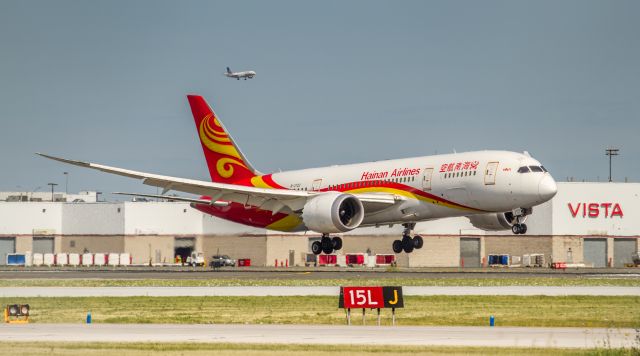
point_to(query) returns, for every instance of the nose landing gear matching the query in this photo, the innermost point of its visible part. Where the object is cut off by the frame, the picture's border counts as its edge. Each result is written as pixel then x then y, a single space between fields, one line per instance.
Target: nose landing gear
pixel 326 244
pixel 519 229
pixel 408 243
pixel 519 217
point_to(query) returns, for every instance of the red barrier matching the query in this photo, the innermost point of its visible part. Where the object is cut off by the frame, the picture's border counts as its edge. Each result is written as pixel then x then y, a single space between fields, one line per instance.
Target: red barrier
pixel 385 259
pixel 244 262
pixel 559 265
pixel 355 259
pixel 324 260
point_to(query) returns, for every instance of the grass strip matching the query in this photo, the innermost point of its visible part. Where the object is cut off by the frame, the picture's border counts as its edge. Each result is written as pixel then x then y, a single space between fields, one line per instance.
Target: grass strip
pixel 172 349
pixel 532 311
pixel 135 349
pixel 295 279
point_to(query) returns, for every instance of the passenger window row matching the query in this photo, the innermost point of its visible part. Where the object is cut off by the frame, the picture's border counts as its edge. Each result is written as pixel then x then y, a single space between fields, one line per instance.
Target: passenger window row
pixel 460 174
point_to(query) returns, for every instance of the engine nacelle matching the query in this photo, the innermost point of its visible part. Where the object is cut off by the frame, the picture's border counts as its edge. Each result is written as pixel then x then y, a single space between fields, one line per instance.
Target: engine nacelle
pixel 493 221
pixel 333 212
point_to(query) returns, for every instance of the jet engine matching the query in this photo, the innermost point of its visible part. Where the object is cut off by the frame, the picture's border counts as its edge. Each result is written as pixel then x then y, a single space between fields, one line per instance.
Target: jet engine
pixel 333 212
pixel 493 221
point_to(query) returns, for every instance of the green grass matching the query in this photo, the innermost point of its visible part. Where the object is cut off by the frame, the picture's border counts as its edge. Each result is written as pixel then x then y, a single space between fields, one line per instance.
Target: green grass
pixel 294 280
pixel 573 311
pixel 196 349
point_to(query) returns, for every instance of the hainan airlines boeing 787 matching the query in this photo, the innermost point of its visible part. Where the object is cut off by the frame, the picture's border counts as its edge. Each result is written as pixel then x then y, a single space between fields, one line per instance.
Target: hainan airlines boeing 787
pixel 496 190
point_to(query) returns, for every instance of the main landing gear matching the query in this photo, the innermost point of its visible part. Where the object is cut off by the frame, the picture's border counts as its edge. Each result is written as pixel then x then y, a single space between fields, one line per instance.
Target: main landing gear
pixel 408 243
pixel 327 244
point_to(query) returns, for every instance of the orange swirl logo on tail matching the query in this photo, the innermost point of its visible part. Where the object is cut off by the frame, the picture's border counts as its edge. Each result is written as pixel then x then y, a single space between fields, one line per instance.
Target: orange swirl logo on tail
pixel 217 140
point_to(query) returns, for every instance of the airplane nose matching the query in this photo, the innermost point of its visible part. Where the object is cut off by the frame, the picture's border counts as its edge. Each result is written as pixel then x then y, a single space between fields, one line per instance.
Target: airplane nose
pixel 547 188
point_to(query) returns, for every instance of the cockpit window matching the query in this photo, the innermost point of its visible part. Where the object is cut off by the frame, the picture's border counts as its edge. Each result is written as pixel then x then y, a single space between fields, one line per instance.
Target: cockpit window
pixel 536 169
pixel 523 169
pixel 544 169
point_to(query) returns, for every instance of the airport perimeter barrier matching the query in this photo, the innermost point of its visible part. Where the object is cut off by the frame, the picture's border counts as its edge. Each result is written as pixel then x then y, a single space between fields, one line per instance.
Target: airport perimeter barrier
pixel 69 259
pixel 113 259
pixel 327 260
pixel 499 260
pixel 15 259
pixel 99 259
pixel 87 259
pixel 385 259
pixel 62 259
pixel 49 259
pixel 244 262
pixel 74 259
pixel 353 260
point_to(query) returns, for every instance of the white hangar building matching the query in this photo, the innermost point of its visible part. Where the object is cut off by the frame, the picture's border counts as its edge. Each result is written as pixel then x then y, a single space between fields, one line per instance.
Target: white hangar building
pixel 586 224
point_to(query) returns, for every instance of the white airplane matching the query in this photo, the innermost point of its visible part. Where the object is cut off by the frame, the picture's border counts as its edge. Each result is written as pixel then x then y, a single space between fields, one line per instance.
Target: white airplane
pixel 246 74
pixel 496 190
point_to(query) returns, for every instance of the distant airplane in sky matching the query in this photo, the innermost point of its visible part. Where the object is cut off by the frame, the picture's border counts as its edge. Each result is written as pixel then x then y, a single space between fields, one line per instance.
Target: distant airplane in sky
pixel 246 74
pixel 496 190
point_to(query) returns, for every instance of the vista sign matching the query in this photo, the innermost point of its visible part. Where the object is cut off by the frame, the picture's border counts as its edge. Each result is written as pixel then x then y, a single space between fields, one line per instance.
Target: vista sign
pixel 595 210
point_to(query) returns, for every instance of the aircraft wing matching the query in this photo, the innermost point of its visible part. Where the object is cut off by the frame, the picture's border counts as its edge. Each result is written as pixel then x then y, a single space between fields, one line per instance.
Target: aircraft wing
pixel 268 199
pixel 176 198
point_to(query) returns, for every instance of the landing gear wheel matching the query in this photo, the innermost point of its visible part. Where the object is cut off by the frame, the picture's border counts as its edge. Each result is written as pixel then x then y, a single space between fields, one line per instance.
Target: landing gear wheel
pixel 519 229
pixel 397 246
pixel 337 243
pixel 516 229
pixel 407 244
pixel 316 247
pixel 327 245
pixel 418 242
pixel 523 228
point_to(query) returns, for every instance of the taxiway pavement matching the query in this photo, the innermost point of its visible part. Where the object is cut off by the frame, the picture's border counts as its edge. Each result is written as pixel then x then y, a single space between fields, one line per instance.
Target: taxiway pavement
pixel 259 291
pixel 305 273
pixel 323 334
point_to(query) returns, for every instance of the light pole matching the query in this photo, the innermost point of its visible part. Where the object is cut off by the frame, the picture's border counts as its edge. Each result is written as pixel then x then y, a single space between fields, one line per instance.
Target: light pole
pixel 611 152
pixel 52 185
pixel 66 183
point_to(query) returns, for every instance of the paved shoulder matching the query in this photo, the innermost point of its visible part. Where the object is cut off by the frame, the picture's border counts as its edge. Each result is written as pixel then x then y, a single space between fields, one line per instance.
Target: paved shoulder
pixel 11 292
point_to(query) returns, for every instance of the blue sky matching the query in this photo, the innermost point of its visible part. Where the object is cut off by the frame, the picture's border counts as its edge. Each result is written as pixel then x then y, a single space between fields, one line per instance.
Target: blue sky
pixel 338 82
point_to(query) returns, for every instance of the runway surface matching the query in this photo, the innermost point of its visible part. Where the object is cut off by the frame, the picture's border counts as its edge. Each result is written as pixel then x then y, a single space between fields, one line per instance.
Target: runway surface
pixel 317 334
pixel 305 273
pixel 305 291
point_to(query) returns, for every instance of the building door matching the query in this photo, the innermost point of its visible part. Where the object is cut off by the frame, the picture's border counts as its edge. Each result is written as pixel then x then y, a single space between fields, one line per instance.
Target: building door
pixel 490 173
pixel 623 250
pixel 595 252
pixel 426 179
pixel 183 246
pixel 470 252
pixel 43 244
pixel 7 246
pixel 292 258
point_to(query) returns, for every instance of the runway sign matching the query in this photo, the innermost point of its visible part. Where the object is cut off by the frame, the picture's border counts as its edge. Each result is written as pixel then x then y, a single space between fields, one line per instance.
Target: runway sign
pixel 370 297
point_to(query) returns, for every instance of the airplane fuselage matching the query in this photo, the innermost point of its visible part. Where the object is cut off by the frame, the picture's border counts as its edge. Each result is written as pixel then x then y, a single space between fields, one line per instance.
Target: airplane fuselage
pixel 238 75
pixel 429 187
